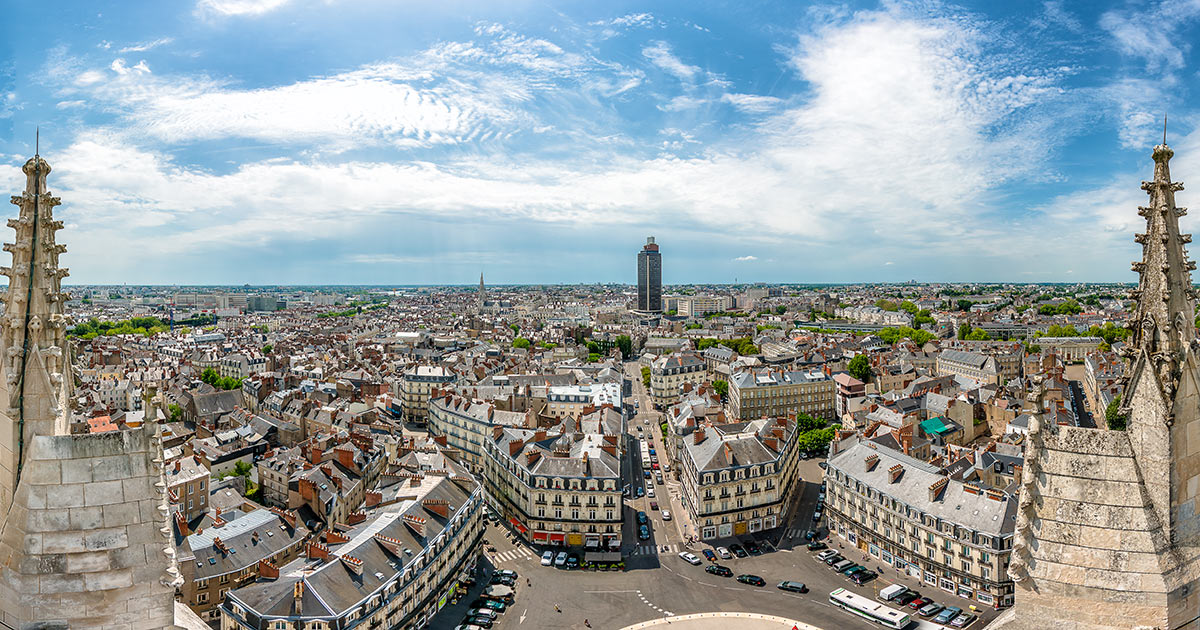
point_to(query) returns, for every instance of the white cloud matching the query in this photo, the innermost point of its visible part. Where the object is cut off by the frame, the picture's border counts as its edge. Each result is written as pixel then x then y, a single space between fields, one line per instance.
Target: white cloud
pixel 745 258
pixel 144 46
pixel 751 103
pixel 889 263
pixel 1151 32
pixel 660 54
pixel 238 7
pixel 119 66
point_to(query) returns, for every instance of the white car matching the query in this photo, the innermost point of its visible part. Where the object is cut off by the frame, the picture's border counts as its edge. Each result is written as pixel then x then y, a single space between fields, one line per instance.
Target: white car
pixel 689 557
pixel 666 514
pixel 561 559
pixel 650 491
pixel 724 553
pixel 548 558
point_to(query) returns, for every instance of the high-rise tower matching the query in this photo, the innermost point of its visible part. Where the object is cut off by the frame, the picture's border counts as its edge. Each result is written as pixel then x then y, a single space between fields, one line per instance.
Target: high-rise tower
pixel 1107 531
pixel 84 539
pixel 649 278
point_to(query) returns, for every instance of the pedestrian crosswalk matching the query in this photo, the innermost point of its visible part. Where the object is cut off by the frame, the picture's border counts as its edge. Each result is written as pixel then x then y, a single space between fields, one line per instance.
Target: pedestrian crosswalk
pixel 647 550
pixel 795 532
pixel 515 554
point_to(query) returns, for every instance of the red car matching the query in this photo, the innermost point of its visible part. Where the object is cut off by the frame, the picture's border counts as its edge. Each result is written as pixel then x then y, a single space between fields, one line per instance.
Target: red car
pixel 919 603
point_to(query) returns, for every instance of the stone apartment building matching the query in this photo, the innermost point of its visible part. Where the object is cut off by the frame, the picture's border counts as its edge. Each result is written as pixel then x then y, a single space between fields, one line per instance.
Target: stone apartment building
pixel 773 393
pixel 848 387
pixel 560 487
pixel 1070 349
pixel 232 553
pixel 909 514
pixel 668 373
pixel 974 365
pixel 572 401
pixel 1104 373
pixel 466 424
pixel 416 385
pixel 187 483
pixel 739 478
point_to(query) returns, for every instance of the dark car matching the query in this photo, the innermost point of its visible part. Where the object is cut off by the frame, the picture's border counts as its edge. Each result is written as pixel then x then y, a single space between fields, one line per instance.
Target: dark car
pixel 852 569
pixel 646 474
pixel 919 603
pixel 508 573
pixel 641 492
pixel 572 561
pixel 503 579
pixel 834 559
pixel 709 555
pixel 752 548
pixel 737 550
pixel 642 518
pixel 810 534
pixel 816 545
pixel 822 465
pixel 752 580
pixel 497 606
pixel 478 620
pixel 654 505
pixel 905 599
pixel 718 570
pixel 795 587
pixel 643 533
pixel 863 577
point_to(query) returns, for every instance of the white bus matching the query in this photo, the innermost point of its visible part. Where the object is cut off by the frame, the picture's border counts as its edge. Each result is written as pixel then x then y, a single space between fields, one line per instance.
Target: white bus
pixel 869 609
pixel 645 457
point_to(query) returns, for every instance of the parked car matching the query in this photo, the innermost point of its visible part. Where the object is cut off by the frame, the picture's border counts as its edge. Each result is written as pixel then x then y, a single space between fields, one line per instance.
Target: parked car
pixel 547 558
pixel 484 612
pixel 795 587
pixel 724 553
pixel 572 561
pixel 946 615
pixel 752 548
pixel 475 620
pixel 906 598
pixel 930 609
pixel 817 516
pixel 642 519
pixel 718 570
pixel 561 560
pixel 834 559
pixel 643 532
pixel 862 577
pixel 689 557
pixel 508 573
pixel 842 565
pixel 709 555
pixel 825 555
pixel 666 515
pixel 752 580
pixel 737 550
pixel 658 478
pixel 816 545
pixel 490 604
pixel 500 579
pixel 919 603
pixel 852 569
pixel 962 620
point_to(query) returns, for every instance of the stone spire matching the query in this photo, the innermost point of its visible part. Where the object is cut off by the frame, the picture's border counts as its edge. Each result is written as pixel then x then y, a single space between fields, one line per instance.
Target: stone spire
pixel 482 295
pixel 33 347
pixel 1163 325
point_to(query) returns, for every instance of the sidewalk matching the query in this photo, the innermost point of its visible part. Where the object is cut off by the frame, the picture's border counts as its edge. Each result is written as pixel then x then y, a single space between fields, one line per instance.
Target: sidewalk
pixel 720 621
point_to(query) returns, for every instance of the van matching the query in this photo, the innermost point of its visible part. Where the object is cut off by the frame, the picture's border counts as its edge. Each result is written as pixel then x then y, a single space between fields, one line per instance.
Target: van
pixel 843 565
pixel 889 592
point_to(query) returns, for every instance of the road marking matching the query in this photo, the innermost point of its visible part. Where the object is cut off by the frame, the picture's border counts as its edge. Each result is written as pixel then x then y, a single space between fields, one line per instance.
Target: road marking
pixel 612 591
pixel 522 620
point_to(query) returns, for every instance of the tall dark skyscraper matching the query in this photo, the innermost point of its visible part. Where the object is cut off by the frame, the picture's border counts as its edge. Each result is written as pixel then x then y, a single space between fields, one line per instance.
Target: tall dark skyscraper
pixel 649 277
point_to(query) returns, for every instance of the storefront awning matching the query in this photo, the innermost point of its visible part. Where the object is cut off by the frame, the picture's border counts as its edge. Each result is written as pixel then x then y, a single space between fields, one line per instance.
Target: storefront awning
pixel 539 536
pixel 517 524
pixel 558 538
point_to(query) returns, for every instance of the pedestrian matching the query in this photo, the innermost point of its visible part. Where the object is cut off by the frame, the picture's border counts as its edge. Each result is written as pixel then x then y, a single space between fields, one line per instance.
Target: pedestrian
pixel 557 609
pixel 527 582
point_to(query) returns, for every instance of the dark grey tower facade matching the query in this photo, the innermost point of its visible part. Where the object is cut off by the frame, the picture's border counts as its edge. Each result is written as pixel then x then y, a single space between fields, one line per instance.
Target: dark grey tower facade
pixel 649 278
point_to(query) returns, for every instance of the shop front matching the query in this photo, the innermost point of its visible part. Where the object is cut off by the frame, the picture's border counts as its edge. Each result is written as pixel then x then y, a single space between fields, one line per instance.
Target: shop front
pixel 540 537
pixel 558 538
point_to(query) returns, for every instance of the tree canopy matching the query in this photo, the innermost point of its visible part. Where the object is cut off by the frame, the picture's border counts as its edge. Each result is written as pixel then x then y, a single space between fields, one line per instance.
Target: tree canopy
pixel 860 368
pixel 93 327
pixel 212 377
pixel 893 335
pixel 520 342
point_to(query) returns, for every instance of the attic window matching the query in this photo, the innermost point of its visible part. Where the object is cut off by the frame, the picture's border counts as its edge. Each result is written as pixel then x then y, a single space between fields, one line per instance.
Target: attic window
pixel 212 560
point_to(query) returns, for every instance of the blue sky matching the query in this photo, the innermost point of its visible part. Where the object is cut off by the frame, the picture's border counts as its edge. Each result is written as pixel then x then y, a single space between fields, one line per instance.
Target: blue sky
pixel 329 141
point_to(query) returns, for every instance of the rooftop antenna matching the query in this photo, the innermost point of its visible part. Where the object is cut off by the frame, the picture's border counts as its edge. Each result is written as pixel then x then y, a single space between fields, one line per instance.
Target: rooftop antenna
pixel 37 141
pixel 1164 130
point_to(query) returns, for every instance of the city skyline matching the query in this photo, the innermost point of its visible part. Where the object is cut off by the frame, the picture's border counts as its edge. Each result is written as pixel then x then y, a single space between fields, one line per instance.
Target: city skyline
pixel 540 144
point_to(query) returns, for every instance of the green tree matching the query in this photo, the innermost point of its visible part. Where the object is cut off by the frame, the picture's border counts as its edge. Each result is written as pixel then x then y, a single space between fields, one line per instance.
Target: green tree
pixel 964 305
pixel 625 344
pixel 816 440
pixel 722 388
pixel 593 347
pixel 1113 416
pixel 267 349
pixel 978 334
pixel 520 342
pixel 176 412
pixel 805 423
pixel 645 376
pixel 886 305
pixel 515 328
pixel 909 307
pixel 894 335
pixel 780 310
pixel 964 329
pixel 860 368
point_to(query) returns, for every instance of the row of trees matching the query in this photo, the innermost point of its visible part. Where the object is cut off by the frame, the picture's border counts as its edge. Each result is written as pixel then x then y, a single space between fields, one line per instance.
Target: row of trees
pixel 815 434
pixel 1069 307
pixel 741 345
pixel 93 327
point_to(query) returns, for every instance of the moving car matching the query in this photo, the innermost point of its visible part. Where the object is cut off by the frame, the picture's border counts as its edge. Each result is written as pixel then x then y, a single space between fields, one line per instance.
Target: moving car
pixel 810 534
pixel 654 505
pixel 752 580
pixel 816 545
pixel 737 550
pixel 930 609
pixel 724 553
pixel 640 492
pixel 650 492
pixel 642 518
pixel 646 474
pixel 658 478
pixel 962 620
pixel 946 615
pixel 689 558
pixel 643 533
pixel 709 555
pixel 718 570
pixel 547 558
pixel 666 514
pixel 561 560
pixel 890 593
pixel 795 587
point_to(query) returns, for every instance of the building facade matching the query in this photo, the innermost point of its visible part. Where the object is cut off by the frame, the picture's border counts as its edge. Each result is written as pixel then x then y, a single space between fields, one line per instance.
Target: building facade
pixel 739 478
pixel 776 393
pixel 670 372
pixel 415 386
pixel 910 515
pixel 467 425
pixel 649 273
pixel 969 364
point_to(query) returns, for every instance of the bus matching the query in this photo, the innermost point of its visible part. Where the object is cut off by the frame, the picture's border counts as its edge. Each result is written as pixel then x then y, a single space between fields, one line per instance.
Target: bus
pixel 869 609
pixel 645 457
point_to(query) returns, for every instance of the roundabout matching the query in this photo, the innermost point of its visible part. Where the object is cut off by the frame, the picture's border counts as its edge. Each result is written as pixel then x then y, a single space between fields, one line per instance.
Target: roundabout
pixel 723 620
